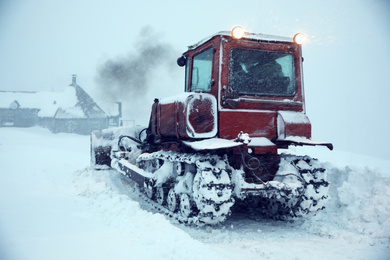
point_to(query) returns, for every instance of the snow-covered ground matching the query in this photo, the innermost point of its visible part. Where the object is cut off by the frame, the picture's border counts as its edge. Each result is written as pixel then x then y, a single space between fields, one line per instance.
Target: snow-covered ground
pixel 52 206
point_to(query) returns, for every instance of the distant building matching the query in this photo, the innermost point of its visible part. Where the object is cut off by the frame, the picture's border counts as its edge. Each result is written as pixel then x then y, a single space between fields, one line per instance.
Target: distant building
pixel 70 111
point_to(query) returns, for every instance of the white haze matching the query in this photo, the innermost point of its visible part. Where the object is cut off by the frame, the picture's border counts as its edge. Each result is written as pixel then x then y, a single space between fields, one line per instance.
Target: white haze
pixel 346 64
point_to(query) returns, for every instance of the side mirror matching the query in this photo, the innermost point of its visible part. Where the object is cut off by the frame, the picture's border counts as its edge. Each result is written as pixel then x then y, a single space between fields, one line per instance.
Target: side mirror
pixel 182 61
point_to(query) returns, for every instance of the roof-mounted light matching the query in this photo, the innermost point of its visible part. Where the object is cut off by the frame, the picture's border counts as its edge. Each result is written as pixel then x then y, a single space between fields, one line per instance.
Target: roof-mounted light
pixel 238 32
pixel 299 38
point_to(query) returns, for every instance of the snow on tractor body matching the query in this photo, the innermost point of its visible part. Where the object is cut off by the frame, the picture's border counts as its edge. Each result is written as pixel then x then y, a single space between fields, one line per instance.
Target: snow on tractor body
pixel 217 143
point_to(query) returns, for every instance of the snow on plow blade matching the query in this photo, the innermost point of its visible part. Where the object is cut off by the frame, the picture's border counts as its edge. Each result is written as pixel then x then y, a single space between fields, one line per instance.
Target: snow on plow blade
pixel 103 142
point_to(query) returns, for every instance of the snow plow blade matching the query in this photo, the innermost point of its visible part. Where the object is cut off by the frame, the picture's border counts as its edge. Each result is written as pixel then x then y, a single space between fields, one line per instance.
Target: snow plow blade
pixel 104 142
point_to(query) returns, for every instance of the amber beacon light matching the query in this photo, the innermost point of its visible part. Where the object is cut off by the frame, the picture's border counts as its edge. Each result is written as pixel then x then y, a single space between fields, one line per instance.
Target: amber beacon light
pixel 238 32
pixel 299 38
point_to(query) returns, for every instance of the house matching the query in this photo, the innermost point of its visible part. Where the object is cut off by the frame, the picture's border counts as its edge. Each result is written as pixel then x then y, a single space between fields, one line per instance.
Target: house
pixel 69 111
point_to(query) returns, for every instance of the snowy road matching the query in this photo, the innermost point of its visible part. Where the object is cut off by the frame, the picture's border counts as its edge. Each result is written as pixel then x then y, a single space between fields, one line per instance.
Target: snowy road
pixel 52 206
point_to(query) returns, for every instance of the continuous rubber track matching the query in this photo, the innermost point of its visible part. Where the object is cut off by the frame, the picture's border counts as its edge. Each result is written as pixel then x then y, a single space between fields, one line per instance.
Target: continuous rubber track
pixel 199 184
pixel 197 189
pixel 299 200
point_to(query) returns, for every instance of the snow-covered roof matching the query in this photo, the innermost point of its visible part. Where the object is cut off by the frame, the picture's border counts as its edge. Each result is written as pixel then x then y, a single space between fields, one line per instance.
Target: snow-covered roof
pixel 110 108
pixel 73 102
pixel 70 112
pixel 251 36
pixel 86 103
pixel 47 102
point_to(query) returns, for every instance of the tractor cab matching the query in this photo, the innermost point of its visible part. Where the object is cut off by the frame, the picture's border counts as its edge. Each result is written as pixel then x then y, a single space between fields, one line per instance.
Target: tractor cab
pixel 256 79
pixel 250 68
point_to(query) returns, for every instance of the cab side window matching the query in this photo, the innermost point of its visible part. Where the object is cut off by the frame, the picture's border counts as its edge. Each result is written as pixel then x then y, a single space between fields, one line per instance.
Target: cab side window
pixel 187 73
pixel 202 71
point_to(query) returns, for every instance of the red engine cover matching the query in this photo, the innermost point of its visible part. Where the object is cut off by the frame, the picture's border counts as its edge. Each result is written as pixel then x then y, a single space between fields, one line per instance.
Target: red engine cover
pixel 256 124
pixel 187 116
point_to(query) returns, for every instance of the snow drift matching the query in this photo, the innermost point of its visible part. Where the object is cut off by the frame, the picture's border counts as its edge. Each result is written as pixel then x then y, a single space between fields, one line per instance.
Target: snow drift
pixel 52 206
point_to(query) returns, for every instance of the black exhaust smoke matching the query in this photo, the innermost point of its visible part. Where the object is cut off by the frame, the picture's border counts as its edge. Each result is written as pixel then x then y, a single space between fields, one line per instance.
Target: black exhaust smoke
pixel 129 77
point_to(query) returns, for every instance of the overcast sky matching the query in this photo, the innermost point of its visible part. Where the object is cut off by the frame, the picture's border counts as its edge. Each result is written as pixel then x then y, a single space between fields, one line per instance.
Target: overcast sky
pixel 346 68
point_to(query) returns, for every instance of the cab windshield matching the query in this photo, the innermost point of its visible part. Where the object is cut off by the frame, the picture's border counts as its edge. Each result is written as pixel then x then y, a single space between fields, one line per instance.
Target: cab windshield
pixel 260 72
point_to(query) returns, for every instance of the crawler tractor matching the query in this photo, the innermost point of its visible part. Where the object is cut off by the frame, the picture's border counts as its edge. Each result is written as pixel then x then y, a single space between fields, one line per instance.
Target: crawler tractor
pixel 217 143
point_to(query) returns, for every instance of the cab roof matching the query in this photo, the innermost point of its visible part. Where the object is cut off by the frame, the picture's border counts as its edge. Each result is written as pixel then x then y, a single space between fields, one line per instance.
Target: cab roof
pixel 250 36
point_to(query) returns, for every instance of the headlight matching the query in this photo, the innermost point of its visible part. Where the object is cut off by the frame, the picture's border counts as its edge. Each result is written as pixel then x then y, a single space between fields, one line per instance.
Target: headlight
pixel 238 32
pixel 299 38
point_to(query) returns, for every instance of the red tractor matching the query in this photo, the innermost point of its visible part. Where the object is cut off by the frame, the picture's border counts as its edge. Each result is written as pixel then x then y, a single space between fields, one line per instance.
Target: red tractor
pixel 217 143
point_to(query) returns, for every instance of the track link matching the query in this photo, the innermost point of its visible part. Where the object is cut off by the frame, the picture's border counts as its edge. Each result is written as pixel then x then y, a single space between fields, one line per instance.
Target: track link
pixel 305 199
pixel 192 188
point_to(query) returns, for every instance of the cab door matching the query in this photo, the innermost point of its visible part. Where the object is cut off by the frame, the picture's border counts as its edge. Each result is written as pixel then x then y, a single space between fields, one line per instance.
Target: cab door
pixel 202 68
